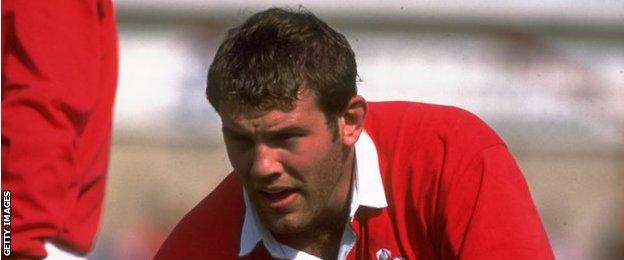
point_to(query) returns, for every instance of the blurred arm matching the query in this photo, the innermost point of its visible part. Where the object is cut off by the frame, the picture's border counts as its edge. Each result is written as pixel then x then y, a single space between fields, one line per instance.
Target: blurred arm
pixel 50 66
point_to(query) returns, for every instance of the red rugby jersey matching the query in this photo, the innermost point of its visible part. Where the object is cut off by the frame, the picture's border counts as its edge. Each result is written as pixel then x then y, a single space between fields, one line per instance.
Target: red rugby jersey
pixel 454 191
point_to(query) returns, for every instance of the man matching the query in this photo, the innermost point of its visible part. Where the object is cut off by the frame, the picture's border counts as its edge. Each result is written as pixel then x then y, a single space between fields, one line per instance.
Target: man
pixel 59 76
pixel 321 173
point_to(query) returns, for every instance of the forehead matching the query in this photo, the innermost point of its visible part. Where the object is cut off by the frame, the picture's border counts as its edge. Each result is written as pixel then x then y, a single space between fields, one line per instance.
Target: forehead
pixel 305 112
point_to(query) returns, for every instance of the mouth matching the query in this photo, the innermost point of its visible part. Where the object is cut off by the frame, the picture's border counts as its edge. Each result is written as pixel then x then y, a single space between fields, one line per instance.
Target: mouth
pixel 278 199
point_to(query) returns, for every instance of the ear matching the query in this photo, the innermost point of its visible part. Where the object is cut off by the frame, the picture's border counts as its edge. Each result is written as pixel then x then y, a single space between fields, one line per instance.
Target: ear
pixel 352 120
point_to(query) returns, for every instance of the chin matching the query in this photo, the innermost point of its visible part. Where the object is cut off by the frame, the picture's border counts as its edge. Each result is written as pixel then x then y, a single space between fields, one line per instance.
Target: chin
pixel 287 224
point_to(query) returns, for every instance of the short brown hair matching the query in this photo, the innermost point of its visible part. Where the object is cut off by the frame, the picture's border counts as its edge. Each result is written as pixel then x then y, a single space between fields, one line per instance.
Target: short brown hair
pixel 264 63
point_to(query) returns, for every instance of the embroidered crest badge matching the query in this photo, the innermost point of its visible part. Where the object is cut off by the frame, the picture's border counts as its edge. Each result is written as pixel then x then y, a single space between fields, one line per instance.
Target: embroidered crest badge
pixel 383 254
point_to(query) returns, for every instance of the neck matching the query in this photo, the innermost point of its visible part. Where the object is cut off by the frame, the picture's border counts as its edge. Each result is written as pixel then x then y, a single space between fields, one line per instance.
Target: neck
pixel 320 242
pixel 323 240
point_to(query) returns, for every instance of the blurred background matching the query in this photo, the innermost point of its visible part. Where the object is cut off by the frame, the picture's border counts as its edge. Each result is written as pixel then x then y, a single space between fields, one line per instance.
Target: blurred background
pixel 548 75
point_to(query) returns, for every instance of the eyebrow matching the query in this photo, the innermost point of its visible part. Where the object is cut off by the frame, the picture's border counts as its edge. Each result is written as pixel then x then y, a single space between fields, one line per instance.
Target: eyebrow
pixel 271 133
pixel 229 130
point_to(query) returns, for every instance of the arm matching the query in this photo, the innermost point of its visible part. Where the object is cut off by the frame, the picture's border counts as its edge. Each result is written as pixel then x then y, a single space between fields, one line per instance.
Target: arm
pixel 488 212
pixel 50 89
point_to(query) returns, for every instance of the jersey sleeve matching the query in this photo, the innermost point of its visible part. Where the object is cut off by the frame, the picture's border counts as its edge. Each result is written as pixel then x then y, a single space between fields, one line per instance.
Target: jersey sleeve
pixel 488 213
pixel 50 87
pixel 211 230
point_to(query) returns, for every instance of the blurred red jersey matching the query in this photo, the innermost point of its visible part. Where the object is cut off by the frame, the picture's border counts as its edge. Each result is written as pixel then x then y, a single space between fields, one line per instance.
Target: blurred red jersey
pixel 59 75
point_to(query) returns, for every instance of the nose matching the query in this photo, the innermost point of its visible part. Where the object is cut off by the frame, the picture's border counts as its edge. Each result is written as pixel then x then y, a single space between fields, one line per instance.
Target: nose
pixel 266 164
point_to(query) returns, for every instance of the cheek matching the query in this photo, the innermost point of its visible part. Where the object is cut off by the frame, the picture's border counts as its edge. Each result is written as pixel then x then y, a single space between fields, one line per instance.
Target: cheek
pixel 322 167
pixel 307 159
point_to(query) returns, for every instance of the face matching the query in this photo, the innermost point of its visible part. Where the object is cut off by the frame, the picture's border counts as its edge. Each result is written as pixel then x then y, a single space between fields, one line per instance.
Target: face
pixel 293 169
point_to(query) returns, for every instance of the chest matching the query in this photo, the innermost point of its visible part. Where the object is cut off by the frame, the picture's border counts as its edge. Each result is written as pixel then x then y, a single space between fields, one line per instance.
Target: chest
pixel 380 235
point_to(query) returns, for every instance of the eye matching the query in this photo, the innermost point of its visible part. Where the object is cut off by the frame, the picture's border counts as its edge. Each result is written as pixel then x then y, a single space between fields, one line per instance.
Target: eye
pixel 287 139
pixel 288 136
pixel 239 139
pixel 242 139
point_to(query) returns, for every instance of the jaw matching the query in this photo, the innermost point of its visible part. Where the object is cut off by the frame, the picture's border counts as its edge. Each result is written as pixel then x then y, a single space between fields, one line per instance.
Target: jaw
pixel 286 223
pixel 315 238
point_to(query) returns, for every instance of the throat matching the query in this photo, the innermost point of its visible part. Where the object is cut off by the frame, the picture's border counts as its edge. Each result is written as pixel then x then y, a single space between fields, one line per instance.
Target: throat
pixel 323 243
pixel 323 240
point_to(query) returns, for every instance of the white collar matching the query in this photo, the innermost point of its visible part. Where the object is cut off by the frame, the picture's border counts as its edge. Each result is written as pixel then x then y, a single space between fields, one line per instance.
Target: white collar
pixel 367 190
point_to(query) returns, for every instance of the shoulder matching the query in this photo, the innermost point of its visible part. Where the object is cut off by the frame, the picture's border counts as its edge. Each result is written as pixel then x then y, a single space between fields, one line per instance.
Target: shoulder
pixel 212 228
pixel 417 125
